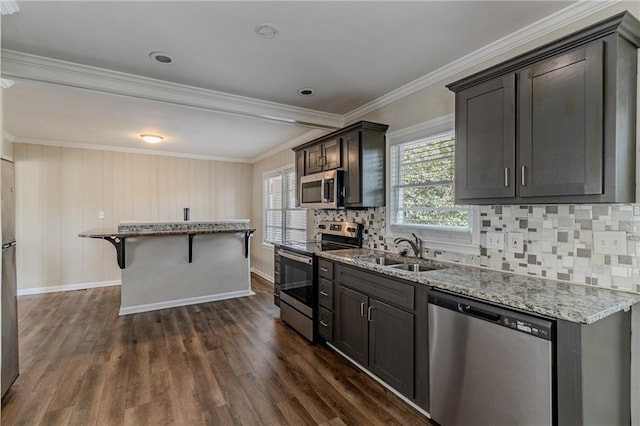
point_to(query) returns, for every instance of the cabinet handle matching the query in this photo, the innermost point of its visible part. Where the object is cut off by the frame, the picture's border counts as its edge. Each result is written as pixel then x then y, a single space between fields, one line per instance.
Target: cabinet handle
pixel 324 324
pixel 506 177
pixel 523 175
pixel 362 309
pixel 322 293
pixel 369 313
pixel 324 269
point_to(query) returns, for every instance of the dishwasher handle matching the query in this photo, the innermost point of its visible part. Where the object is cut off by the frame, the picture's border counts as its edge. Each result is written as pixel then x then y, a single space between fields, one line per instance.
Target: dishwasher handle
pixel 480 313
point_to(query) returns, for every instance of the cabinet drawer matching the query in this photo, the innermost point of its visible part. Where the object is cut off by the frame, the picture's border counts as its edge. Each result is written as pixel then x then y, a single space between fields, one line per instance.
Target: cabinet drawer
pixel 325 269
pixel 276 294
pixel 325 293
pixel 325 324
pixel 383 289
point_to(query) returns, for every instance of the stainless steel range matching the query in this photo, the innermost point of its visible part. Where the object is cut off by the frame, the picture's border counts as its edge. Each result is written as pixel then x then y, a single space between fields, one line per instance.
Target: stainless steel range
pixel 296 274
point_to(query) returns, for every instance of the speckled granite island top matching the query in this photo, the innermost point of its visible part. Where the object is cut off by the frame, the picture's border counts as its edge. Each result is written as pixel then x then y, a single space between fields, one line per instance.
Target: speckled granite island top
pixel 143 229
pixel 566 301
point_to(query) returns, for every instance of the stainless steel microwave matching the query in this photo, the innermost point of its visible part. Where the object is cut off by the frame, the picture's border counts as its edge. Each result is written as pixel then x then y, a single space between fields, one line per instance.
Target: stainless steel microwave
pixel 322 190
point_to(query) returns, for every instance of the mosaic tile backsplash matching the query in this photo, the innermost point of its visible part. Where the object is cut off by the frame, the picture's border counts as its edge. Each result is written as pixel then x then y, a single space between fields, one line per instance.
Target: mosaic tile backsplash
pixel 558 241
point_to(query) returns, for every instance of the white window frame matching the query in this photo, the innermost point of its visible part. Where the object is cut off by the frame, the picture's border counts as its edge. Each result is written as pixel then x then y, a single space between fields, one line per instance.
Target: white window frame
pixel 434 237
pixel 269 174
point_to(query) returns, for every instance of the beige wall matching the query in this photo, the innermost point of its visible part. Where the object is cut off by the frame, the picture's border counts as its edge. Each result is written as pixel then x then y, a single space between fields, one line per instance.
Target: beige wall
pixel 59 192
pixel 261 256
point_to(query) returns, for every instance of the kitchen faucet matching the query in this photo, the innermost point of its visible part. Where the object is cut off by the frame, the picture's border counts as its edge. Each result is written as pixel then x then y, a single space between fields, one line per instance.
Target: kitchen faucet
pixel 416 245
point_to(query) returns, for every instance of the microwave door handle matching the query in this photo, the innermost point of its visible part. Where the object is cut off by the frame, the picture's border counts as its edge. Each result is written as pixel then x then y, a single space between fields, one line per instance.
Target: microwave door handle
pixel 324 191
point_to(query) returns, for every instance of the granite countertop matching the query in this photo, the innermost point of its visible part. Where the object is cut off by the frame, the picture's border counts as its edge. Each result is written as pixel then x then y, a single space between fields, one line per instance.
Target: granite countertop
pixel 562 300
pixel 145 229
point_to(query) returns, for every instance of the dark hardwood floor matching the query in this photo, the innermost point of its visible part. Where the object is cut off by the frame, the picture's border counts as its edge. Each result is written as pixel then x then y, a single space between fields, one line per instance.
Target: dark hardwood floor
pixel 219 363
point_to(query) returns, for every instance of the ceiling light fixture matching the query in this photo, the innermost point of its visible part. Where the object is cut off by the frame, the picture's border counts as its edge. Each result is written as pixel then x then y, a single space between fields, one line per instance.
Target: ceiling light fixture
pixel 151 138
pixel 306 91
pixel 163 58
pixel 266 30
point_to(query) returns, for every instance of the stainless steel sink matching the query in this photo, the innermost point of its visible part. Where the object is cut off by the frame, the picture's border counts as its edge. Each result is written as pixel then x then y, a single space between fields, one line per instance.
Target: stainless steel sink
pixel 384 261
pixel 415 267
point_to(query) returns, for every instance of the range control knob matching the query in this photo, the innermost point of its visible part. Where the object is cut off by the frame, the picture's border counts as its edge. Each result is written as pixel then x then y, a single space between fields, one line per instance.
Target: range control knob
pixel 351 229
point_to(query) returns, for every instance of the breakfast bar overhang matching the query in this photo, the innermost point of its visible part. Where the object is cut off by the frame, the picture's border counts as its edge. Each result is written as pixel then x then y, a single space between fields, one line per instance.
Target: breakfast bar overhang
pixel 169 264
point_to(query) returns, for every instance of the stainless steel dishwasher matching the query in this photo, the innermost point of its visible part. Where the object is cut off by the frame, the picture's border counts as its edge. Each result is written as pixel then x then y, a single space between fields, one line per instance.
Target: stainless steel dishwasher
pixel 488 365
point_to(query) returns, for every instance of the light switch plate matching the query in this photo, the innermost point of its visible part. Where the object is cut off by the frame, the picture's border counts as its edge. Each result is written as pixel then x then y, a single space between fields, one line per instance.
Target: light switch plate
pixel 515 244
pixel 495 240
pixel 610 242
pixel 100 215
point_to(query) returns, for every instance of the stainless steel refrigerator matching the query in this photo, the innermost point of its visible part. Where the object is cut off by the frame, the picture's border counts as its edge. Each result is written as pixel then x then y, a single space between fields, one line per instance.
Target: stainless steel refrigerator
pixel 9 289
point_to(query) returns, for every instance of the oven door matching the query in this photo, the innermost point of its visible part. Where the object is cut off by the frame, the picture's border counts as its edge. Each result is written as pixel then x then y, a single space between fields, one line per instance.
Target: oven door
pixel 296 281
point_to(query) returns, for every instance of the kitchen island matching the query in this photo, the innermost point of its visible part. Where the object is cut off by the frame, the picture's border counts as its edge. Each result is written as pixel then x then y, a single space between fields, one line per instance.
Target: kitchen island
pixel 169 264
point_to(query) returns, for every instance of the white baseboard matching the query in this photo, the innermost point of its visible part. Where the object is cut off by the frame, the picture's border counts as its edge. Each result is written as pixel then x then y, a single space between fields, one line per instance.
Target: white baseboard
pixel 262 274
pixel 379 380
pixel 184 302
pixel 66 287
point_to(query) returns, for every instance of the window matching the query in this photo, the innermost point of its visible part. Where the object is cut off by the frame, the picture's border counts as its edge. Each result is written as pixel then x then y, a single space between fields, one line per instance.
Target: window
pixel 422 190
pixel 282 220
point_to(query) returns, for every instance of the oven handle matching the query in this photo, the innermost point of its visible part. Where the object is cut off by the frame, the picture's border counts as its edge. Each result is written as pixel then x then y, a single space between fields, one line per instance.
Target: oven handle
pixel 302 259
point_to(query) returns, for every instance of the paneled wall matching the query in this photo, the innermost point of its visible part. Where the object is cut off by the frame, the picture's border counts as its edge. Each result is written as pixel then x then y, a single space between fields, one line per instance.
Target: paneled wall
pixel 60 191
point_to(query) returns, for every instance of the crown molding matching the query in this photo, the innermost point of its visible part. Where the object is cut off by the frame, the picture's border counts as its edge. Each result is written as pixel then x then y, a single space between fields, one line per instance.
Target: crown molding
pixel 8 136
pixel 562 18
pixel 111 148
pixel 7 7
pixel 25 66
pixel 299 140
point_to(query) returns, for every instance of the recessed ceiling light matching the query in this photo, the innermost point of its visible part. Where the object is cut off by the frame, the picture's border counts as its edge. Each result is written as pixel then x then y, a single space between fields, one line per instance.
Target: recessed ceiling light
pixel 151 138
pixel 306 91
pixel 163 58
pixel 266 30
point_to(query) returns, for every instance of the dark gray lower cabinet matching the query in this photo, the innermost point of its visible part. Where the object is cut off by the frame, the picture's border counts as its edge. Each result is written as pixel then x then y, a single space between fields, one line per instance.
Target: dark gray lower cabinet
pixel 380 325
pixel 391 343
pixel 351 325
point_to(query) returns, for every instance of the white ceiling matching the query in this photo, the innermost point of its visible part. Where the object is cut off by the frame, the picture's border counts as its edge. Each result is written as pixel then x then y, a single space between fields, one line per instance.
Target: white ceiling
pixel 350 52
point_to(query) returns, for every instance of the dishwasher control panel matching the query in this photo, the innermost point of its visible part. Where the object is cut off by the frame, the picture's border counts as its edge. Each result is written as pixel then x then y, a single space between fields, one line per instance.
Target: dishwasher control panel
pixel 539 330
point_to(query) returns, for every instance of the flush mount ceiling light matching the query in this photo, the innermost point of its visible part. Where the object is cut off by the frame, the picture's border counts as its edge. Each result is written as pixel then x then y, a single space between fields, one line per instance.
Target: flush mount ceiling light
pixel 266 30
pixel 163 58
pixel 151 138
pixel 306 91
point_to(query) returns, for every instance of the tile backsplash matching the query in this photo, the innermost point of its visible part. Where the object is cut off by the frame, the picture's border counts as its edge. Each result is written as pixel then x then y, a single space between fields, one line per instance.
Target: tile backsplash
pixel 558 241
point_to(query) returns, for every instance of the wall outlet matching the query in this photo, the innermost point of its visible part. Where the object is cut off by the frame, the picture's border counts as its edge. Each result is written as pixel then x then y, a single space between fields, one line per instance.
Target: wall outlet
pixel 100 215
pixel 495 240
pixel 516 242
pixel 610 242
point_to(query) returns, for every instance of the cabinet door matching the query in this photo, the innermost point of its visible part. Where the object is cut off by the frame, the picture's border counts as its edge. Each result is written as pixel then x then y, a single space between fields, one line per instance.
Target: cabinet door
pixel 485 145
pixel 561 124
pixel 314 159
pixel 353 186
pixel 351 327
pixel 391 346
pixel 299 173
pixel 332 155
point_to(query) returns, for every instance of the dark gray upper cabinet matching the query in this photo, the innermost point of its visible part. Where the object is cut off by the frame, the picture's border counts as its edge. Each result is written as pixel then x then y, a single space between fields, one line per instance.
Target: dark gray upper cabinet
pixel 323 156
pixel 485 117
pixel 300 168
pixel 554 125
pixel 561 124
pixel 359 150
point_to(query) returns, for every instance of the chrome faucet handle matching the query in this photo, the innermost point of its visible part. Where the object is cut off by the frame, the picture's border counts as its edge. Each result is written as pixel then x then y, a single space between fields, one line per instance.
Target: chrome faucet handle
pixel 418 244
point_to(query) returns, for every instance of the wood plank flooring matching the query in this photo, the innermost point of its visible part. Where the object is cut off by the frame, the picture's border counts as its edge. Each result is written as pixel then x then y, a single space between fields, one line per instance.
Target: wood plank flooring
pixel 219 363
